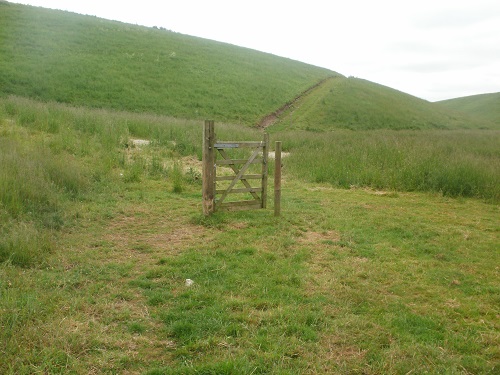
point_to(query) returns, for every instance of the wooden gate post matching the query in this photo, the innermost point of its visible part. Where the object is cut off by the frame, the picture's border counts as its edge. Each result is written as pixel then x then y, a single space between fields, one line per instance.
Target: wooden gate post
pixel 208 168
pixel 277 179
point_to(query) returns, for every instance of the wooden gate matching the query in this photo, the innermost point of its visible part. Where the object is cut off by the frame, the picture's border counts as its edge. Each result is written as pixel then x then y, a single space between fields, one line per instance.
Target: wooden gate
pixel 236 175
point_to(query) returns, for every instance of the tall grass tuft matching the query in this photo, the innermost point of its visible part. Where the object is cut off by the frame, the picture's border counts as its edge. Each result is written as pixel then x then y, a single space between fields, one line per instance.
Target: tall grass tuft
pixel 462 163
pixel 135 170
pixel 24 245
pixel 25 187
pixel 177 177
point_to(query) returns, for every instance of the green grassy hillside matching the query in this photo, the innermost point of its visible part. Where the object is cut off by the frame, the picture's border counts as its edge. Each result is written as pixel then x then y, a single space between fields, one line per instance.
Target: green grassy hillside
pixel 82 60
pixel 357 104
pixel 58 56
pixel 485 106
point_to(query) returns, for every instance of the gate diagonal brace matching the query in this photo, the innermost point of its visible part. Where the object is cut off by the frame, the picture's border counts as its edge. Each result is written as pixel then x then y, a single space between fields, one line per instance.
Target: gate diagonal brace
pixel 239 174
pixel 236 171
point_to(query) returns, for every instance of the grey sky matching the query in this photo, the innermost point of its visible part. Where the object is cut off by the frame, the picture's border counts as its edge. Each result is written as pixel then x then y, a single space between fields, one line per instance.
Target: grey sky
pixel 433 49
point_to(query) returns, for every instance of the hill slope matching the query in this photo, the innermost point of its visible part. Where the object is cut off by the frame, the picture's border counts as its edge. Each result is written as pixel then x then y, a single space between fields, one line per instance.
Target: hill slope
pixel 83 60
pixel 59 56
pixel 353 103
pixel 486 106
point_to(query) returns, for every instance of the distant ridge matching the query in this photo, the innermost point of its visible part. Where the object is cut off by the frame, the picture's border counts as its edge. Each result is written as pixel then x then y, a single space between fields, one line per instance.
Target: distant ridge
pixel 358 104
pixel 485 106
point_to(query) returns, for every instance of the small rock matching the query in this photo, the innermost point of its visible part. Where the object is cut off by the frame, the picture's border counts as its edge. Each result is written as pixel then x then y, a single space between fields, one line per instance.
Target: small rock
pixel 189 282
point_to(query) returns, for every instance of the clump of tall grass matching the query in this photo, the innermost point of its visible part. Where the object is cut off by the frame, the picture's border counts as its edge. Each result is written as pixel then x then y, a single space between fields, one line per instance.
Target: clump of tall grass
pixel 52 154
pixel 34 186
pixel 134 170
pixel 177 177
pixel 24 186
pixel 32 179
pixel 454 163
pixel 24 244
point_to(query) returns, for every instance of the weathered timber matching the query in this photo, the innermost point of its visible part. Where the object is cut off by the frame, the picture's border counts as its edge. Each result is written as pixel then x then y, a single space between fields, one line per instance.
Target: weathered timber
pixel 238 161
pixel 236 171
pixel 248 144
pixel 233 191
pixel 208 170
pixel 238 176
pixel 240 205
pixel 244 177
pixel 241 169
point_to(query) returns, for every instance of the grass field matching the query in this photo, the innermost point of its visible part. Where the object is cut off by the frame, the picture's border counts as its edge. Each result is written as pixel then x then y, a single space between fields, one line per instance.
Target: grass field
pixel 348 280
pixel 334 286
pixel 385 259
pixel 51 55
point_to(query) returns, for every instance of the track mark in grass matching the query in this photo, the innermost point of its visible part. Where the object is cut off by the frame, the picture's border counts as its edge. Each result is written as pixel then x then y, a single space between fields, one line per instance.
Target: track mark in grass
pixel 138 235
pixel 316 238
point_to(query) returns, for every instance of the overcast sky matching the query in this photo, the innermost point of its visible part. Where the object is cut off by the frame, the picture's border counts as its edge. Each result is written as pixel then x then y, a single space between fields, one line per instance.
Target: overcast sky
pixel 432 49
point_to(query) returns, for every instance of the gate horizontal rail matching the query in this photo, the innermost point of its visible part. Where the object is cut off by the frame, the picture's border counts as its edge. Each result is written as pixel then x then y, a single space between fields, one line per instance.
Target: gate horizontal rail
pixel 239 144
pixel 238 161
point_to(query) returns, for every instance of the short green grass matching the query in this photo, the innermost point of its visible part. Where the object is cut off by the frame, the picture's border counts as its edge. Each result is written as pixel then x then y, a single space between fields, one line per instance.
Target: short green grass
pixel 346 281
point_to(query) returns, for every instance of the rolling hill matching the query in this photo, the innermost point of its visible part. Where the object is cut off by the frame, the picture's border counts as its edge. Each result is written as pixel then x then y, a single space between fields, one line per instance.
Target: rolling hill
pixel 51 55
pixel 356 104
pixel 86 61
pixel 485 106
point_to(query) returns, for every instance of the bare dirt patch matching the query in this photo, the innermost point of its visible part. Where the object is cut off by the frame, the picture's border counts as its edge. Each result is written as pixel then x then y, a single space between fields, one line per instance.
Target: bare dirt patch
pixel 133 234
pixel 318 237
pixel 140 142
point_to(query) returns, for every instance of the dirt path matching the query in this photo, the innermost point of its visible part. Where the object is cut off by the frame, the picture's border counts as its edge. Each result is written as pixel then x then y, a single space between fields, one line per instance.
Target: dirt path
pixel 271 118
